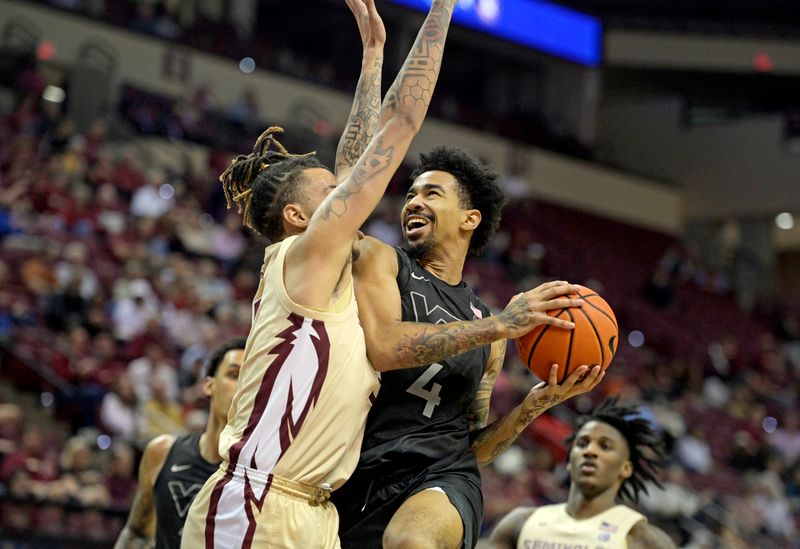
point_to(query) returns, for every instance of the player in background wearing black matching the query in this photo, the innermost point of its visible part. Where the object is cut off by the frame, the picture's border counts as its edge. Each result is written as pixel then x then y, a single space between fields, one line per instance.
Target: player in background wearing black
pixel 173 469
pixel 612 454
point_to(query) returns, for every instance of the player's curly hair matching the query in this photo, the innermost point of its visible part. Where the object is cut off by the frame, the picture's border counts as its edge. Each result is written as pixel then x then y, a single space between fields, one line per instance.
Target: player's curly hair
pixel 216 356
pixel 478 188
pixel 263 182
pixel 644 443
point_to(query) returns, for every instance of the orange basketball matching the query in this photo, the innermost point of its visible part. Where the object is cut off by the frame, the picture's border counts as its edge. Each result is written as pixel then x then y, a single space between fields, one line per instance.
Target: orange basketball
pixel 593 341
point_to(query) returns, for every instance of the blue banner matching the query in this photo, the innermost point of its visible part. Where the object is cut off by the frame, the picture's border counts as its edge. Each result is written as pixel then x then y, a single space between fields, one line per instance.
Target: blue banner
pixel 537 24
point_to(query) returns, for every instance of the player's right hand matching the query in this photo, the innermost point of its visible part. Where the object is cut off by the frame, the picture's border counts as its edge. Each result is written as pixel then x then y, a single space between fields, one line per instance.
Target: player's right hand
pixel 370 24
pixel 529 309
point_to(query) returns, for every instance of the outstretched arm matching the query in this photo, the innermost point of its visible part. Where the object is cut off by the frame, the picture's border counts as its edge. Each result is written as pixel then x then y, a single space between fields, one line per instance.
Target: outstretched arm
pixel 315 262
pixel 497 437
pixel 394 344
pixel 140 528
pixel 364 120
pixel 506 534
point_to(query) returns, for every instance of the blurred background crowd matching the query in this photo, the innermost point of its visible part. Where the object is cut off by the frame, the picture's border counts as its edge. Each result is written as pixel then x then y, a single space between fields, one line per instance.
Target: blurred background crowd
pixel 121 268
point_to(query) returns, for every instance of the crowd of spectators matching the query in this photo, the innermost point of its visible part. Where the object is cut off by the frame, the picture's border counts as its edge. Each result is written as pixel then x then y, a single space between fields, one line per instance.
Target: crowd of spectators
pixel 118 275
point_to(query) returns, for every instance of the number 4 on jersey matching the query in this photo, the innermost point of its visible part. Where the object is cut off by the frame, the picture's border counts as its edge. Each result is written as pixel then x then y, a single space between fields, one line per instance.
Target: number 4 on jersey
pixel 431 398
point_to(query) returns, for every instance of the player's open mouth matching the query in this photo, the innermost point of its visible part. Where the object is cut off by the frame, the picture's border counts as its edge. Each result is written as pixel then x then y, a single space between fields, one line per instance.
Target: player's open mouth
pixel 415 224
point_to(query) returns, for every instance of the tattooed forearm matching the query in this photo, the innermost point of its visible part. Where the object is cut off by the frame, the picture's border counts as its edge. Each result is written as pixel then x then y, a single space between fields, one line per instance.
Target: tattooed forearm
pixel 479 411
pixel 364 116
pixel 420 344
pixel 480 406
pixel 497 437
pixel 417 78
pixel 376 160
pixel 413 87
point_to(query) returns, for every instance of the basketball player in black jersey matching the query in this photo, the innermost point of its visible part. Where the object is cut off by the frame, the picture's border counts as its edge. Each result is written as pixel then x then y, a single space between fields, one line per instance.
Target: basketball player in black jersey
pixel 417 483
pixel 173 469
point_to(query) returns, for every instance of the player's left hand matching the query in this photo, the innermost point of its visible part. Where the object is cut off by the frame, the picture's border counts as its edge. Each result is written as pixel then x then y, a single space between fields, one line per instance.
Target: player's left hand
pixel 582 380
pixel 370 24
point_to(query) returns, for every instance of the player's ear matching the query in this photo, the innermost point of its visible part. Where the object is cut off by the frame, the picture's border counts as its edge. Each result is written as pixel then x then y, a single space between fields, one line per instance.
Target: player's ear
pixel 470 220
pixel 627 469
pixel 208 386
pixel 294 215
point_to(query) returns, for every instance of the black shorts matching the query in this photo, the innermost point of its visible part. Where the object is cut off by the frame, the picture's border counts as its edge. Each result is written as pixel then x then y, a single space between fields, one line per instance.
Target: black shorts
pixel 366 503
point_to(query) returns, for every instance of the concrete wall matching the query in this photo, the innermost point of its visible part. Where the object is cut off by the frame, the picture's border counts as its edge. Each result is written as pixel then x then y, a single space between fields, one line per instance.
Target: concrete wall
pixel 686 51
pixel 740 168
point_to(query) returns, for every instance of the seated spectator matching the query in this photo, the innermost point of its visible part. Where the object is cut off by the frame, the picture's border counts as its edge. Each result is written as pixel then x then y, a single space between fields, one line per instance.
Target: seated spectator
pixel 11 422
pixel 244 112
pixel 747 453
pixel 118 410
pixel 132 313
pixel 121 476
pixel 149 201
pixel 34 458
pixel 675 499
pixel 154 363
pixel 693 451
pixel 227 241
pixel 160 415
pixel 81 478
pixel 786 438
pixel 73 269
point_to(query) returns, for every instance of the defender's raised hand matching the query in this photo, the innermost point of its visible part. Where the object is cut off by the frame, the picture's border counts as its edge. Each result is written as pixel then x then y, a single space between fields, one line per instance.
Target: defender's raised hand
pixel 529 309
pixel 370 24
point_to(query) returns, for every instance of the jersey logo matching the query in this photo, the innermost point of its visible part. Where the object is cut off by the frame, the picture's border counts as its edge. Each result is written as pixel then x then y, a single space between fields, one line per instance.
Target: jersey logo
pixel 178 468
pixel 608 527
pixel 435 315
pixel 289 389
pixel 477 312
pixel 182 495
pixel 419 277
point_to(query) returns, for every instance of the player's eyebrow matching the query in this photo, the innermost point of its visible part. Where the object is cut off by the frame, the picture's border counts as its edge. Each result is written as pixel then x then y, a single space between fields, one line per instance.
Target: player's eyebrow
pixel 424 187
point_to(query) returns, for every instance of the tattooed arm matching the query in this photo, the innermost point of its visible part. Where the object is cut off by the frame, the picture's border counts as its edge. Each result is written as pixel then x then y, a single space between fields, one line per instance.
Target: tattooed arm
pixel 479 411
pixel 315 262
pixel 394 344
pixel 140 528
pixel 497 437
pixel 362 125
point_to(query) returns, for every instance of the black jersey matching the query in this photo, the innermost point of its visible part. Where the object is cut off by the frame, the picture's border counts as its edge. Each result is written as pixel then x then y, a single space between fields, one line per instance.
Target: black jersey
pixel 419 417
pixel 184 472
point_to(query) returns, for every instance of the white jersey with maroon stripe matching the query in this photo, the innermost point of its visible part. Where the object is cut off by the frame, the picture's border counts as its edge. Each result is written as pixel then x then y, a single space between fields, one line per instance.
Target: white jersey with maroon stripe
pixel 305 387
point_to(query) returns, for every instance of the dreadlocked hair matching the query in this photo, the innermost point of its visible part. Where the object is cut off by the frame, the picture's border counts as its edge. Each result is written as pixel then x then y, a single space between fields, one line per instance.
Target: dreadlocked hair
pixel 645 444
pixel 477 185
pixel 264 181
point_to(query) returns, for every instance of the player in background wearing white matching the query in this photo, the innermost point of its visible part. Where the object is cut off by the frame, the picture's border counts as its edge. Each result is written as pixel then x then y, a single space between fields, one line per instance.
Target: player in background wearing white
pixel 612 454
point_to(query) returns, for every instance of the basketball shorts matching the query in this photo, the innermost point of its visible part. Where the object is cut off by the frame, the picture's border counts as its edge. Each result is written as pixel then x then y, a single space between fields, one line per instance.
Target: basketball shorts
pixel 366 505
pixel 243 507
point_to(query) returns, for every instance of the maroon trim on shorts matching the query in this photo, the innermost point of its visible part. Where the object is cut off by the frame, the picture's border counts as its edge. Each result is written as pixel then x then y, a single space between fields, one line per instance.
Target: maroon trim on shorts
pixel 250 497
pixel 213 505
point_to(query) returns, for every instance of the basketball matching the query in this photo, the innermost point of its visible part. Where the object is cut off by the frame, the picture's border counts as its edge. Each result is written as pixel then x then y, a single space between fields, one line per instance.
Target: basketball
pixel 593 341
